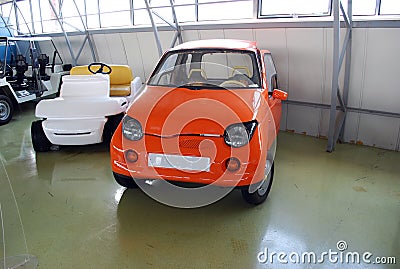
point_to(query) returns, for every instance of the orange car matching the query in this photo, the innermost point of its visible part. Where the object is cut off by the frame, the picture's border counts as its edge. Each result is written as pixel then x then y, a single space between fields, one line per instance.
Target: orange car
pixel 209 115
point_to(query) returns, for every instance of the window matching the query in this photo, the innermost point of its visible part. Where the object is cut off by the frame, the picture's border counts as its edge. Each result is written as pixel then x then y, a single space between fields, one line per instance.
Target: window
pixel 114 13
pixel 24 16
pixel 8 13
pixel 47 11
pixel 225 10
pixel 270 72
pixel 390 7
pixel 120 13
pixel 92 14
pixel 184 9
pixel 185 13
pixel 50 23
pixel 362 7
pixel 164 74
pixel 295 7
pixel 161 7
pixel 70 15
pixel 37 17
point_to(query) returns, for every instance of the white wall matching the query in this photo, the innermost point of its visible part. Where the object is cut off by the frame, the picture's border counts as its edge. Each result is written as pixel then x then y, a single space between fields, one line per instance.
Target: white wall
pixel 303 57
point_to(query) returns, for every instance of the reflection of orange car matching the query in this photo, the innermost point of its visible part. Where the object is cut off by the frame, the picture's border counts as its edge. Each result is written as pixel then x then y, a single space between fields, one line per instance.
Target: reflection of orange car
pixel 209 114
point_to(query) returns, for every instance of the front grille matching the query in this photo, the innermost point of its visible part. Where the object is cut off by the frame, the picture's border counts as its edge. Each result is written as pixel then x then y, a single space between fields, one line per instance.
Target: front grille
pixel 190 143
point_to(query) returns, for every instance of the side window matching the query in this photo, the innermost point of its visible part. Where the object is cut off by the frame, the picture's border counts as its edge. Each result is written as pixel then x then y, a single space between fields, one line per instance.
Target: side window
pixel 274 83
pixel 169 63
pixel 163 77
pixel 187 64
pixel 270 70
pixel 181 70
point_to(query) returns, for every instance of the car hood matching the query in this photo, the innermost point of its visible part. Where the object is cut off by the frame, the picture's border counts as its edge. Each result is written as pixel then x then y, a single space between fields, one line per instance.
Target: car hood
pixel 167 111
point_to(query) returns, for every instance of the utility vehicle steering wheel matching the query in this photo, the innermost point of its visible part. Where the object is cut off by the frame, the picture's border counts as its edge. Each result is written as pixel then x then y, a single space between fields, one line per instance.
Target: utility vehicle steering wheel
pixel 100 70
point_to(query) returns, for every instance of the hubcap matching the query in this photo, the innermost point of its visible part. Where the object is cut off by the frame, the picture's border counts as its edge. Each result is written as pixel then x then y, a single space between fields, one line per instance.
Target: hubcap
pixel 267 178
pixel 4 110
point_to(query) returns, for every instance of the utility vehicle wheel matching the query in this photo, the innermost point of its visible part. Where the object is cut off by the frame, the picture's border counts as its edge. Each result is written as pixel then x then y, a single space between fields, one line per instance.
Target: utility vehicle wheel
pixel 259 196
pixel 6 109
pixel 39 139
pixel 125 181
pixel 110 127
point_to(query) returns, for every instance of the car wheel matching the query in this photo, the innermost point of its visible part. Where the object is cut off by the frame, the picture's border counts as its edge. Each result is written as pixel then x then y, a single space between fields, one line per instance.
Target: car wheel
pixel 125 181
pixel 259 196
pixel 110 127
pixel 40 142
pixel 6 109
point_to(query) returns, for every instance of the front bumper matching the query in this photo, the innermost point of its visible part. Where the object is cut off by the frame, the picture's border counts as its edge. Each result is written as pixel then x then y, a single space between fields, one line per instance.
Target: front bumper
pixel 74 131
pixel 251 170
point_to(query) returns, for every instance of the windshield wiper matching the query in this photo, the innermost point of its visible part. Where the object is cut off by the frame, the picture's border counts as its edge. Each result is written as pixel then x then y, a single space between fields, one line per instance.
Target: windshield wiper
pixel 201 86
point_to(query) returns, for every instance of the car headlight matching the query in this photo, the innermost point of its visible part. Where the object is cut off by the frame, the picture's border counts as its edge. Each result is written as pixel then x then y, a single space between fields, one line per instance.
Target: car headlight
pixel 132 129
pixel 239 134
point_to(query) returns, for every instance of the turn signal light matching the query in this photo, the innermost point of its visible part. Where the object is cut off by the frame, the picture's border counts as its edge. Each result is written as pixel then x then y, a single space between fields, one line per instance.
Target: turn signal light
pixel 281 95
pixel 131 156
pixel 232 164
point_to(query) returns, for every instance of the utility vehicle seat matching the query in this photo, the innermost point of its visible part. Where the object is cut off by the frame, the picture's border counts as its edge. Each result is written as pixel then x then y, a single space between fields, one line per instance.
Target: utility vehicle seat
pixel 120 78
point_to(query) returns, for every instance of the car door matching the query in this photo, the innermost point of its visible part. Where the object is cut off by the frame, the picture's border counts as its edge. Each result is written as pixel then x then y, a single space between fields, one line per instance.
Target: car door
pixel 271 78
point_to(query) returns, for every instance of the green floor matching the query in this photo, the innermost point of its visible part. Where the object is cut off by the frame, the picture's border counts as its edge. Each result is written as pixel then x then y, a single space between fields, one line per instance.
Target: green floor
pixel 75 216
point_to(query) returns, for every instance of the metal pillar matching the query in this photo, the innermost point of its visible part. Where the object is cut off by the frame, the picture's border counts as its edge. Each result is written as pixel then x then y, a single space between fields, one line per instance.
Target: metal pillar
pixel 65 33
pixel 174 25
pixel 87 35
pixel 348 42
pixel 337 119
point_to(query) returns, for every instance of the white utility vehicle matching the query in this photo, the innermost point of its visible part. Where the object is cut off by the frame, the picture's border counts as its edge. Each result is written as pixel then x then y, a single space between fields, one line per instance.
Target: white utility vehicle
pixel 30 68
pixel 92 102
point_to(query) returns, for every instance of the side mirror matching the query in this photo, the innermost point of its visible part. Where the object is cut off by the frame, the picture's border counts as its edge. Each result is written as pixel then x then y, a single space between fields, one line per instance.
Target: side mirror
pixel 278 94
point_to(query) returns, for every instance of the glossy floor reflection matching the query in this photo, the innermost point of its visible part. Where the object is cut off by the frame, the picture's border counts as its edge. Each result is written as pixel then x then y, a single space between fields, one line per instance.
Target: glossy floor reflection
pixel 75 216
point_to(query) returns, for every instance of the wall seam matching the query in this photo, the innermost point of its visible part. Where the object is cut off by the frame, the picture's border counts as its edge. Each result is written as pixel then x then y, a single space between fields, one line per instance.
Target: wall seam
pixel 108 47
pixel 362 82
pixel 141 57
pixel 123 46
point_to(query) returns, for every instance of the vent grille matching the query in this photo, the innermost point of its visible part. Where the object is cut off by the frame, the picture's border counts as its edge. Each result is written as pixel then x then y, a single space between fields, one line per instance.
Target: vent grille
pixel 190 143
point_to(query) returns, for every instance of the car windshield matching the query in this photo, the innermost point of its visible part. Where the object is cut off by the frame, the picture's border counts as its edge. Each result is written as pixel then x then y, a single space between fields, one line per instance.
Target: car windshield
pixel 207 68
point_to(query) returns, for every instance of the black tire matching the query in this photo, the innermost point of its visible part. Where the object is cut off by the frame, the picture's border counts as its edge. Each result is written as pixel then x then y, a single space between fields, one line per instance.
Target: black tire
pixel 6 110
pixel 125 181
pixel 40 142
pixel 261 194
pixel 110 127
